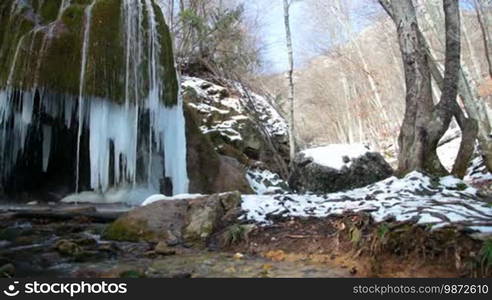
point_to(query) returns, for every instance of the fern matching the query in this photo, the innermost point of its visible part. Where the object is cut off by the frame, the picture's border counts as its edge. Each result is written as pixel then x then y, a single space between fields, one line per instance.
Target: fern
pixel 486 254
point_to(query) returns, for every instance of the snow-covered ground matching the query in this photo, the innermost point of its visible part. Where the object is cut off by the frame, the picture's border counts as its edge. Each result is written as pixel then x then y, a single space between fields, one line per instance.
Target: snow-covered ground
pixel 415 197
pixel 266 182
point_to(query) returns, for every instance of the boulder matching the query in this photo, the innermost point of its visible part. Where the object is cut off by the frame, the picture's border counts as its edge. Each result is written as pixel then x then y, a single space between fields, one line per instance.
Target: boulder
pixel 208 171
pixel 311 176
pixel 159 221
pixel 163 249
pixel 187 221
pixel 238 123
pixel 205 215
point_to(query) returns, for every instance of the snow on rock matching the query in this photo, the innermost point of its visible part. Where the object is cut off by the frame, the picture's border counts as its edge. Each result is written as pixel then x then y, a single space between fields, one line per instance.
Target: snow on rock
pixel 266 182
pixel 273 122
pixel 234 110
pixel 159 197
pixel 336 156
pixel 416 197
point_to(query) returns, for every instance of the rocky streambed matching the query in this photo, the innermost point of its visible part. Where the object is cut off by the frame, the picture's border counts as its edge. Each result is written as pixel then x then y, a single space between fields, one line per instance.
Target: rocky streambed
pixel 214 236
pixel 68 241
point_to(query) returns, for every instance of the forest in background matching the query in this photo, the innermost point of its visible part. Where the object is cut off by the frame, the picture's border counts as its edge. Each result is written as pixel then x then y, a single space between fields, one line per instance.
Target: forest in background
pixel 349 78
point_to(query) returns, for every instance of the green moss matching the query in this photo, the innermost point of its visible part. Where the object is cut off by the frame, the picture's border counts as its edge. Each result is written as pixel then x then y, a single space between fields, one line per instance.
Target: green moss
pixel 49 11
pixel 106 62
pixel 60 69
pixel 132 274
pixel 12 29
pixel 57 67
pixel 171 85
pixel 128 230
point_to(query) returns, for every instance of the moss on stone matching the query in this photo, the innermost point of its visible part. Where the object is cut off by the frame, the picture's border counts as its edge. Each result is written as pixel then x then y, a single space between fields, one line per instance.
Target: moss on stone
pixel 49 11
pixel 57 67
pixel 171 85
pixel 12 28
pixel 60 69
pixel 106 62
pixel 128 230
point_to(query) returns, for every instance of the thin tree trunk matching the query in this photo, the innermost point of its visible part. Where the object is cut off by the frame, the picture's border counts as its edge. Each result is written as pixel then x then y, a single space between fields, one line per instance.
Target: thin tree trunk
pixel 471 49
pixel 484 22
pixel 290 78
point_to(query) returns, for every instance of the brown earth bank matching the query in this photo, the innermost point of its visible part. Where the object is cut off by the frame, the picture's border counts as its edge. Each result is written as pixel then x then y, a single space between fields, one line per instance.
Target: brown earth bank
pixel 355 243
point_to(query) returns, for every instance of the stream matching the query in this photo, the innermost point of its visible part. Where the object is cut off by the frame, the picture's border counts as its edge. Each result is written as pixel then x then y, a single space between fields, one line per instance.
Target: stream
pixel 71 247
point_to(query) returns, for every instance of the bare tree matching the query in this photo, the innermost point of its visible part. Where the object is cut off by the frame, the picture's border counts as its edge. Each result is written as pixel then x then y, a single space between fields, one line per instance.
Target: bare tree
pixel 485 23
pixel 424 122
pixel 474 103
pixel 290 78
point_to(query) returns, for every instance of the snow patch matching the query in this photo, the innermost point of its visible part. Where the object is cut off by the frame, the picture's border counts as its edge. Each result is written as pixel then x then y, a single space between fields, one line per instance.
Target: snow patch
pixel 415 197
pixel 335 155
pixel 160 197
pixel 266 182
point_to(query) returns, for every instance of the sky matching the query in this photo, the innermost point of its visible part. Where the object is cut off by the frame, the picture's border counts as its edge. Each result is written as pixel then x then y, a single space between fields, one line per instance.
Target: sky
pixel 308 40
pixel 272 31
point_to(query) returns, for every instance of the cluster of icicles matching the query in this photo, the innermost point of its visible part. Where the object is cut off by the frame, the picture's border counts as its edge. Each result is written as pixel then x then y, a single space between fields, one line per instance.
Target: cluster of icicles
pixel 106 122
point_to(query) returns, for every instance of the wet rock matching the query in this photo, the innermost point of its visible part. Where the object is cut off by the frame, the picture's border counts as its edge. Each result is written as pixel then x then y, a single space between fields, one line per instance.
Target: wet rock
pixel 68 248
pixel 205 215
pixel 308 176
pixel 150 223
pixel 132 274
pixel 90 255
pixel 163 249
pixel 7 270
pixel 207 170
pixel 84 209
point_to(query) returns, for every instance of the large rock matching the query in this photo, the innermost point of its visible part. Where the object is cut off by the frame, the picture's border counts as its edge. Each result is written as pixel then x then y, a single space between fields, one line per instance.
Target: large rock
pixel 239 123
pixel 208 171
pixel 311 176
pixel 191 220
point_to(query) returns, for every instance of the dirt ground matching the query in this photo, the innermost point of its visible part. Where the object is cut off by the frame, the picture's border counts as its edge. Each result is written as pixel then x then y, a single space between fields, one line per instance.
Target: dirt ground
pixel 366 249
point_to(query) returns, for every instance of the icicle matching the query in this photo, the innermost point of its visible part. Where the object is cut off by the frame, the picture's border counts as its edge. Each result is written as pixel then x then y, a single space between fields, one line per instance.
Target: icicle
pixel 46 146
pixel 113 130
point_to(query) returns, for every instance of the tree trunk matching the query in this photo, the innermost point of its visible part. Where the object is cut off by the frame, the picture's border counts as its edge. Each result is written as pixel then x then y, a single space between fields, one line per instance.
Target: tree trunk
pixel 483 20
pixel 475 105
pixel 424 124
pixel 290 78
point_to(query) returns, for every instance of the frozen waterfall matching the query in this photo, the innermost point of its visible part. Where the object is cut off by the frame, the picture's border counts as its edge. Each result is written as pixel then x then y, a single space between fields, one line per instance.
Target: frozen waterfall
pixel 132 142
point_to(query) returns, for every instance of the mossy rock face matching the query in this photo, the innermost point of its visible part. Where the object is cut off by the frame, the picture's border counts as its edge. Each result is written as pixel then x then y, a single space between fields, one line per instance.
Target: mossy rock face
pixel 206 215
pixel 208 171
pixel 128 230
pixel 156 222
pixel 191 221
pixel 48 41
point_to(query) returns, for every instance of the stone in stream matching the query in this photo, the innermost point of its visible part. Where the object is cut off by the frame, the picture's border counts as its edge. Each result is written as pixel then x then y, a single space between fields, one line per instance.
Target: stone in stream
pixel 190 221
pixel 7 270
pixel 163 249
pixel 68 248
